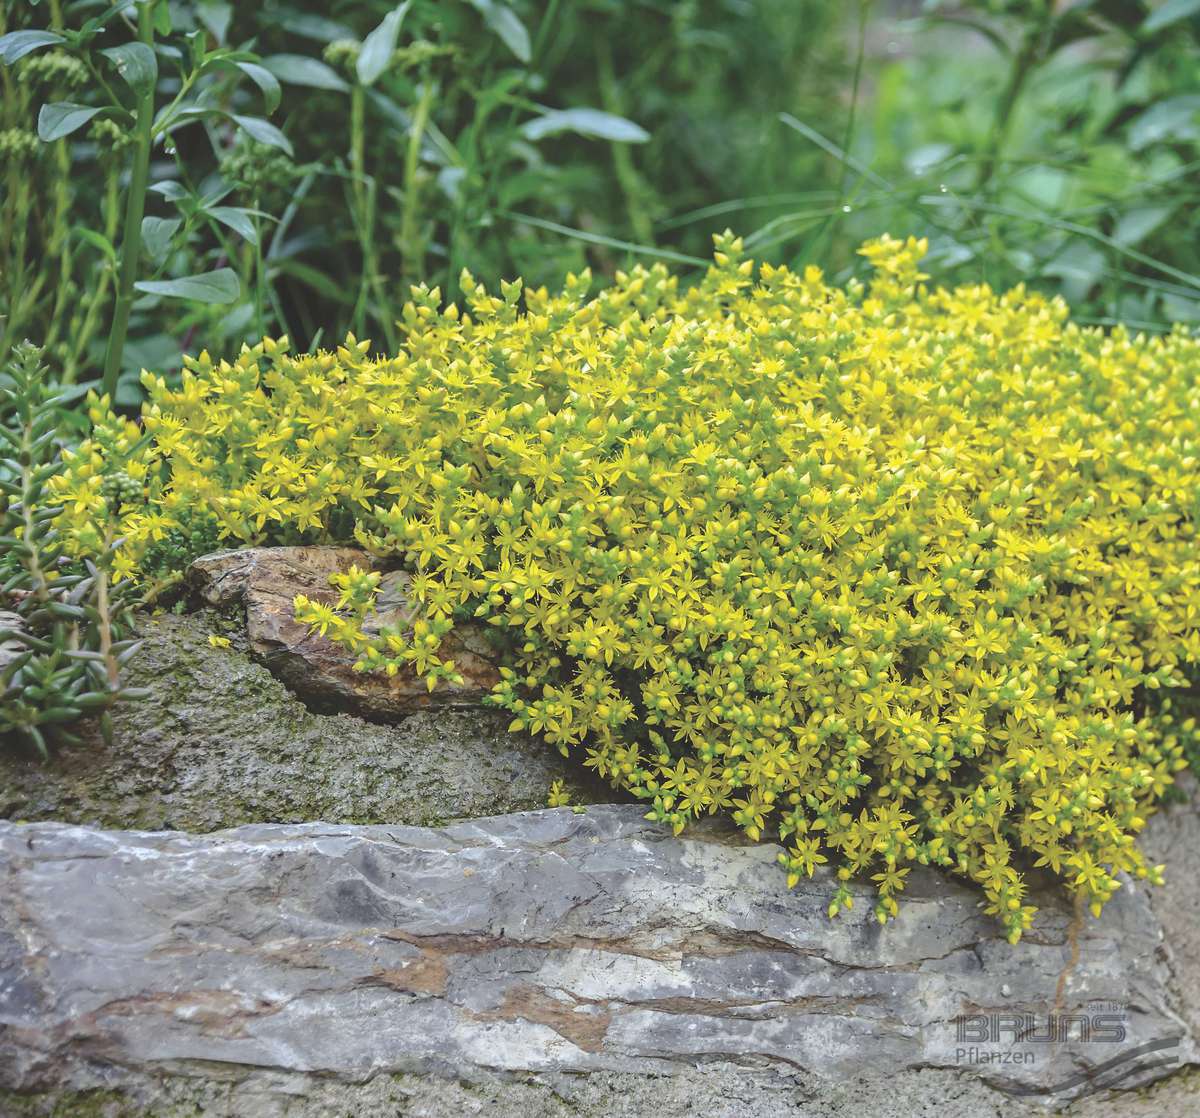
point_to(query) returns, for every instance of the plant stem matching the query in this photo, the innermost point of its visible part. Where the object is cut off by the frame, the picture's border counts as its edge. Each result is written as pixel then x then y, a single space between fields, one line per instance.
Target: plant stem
pixel 358 188
pixel 864 12
pixel 98 294
pixel 59 240
pixel 259 277
pixel 1023 63
pixel 104 617
pixel 412 256
pixel 131 236
pixel 364 223
pixel 627 176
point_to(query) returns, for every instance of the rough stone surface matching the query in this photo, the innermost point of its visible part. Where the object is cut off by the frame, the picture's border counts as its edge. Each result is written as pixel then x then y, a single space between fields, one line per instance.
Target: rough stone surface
pixel 714 1091
pixel 266 580
pixel 540 963
pixel 10 649
pixel 1172 836
pixel 221 742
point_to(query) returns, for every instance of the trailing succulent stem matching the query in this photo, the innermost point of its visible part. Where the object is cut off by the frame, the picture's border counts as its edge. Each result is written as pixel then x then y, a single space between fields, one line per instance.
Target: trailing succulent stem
pixel 61 621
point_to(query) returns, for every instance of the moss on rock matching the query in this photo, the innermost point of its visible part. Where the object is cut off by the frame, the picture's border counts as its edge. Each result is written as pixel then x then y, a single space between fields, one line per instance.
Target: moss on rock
pixel 221 742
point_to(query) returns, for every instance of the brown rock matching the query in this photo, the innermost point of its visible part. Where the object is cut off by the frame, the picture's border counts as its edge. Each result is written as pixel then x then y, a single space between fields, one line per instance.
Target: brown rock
pixel 266 581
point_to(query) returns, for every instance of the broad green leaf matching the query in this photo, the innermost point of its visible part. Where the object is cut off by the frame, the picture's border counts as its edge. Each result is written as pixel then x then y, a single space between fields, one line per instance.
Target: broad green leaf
pixel 1171 12
pixel 1180 309
pixel 238 322
pixel 1079 266
pixel 1176 118
pixel 585 122
pixel 213 191
pixel 62 118
pixel 169 189
pixel 238 219
pixel 162 19
pixel 97 240
pixel 263 131
pixel 135 62
pixel 156 235
pixel 215 15
pixel 378 46
pixel 220 286
pixel 1136 224
pixel 17 44
pixel 299 69
pixel 923 159
pixel 961 20
pixel 265 80
pixel 70 394
pixel 159 352
pixel 307 26
pixel 505 23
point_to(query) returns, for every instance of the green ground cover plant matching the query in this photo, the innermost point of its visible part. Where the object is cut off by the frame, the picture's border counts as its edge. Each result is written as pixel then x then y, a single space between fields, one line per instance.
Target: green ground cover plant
pixel 897 573
pixel 901 574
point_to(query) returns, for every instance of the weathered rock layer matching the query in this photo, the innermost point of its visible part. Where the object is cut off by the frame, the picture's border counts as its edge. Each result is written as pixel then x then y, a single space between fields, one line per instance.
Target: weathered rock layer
pixel 539 942
pixel 221 742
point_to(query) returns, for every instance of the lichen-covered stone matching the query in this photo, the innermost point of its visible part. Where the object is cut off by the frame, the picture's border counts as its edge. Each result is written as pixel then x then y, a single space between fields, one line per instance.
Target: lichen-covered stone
pixel 266 580
pixel 546 943
pixel 715 1091
pixel 220 742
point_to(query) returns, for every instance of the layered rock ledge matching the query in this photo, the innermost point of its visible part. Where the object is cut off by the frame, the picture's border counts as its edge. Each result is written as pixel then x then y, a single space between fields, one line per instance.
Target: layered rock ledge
pixel 221 742
pixel 545 963
pixel 541 943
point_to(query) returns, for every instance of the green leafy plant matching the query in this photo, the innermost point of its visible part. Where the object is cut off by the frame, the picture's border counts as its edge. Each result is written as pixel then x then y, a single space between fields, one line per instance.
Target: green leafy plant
pixel 64 621
pixel 899 574
pixel 514 137
pixel 119 86
pixel 1047 143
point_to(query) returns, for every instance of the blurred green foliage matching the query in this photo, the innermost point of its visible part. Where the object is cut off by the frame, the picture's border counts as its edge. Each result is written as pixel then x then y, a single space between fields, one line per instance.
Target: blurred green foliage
pixel 519 138
pixel 1055 143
